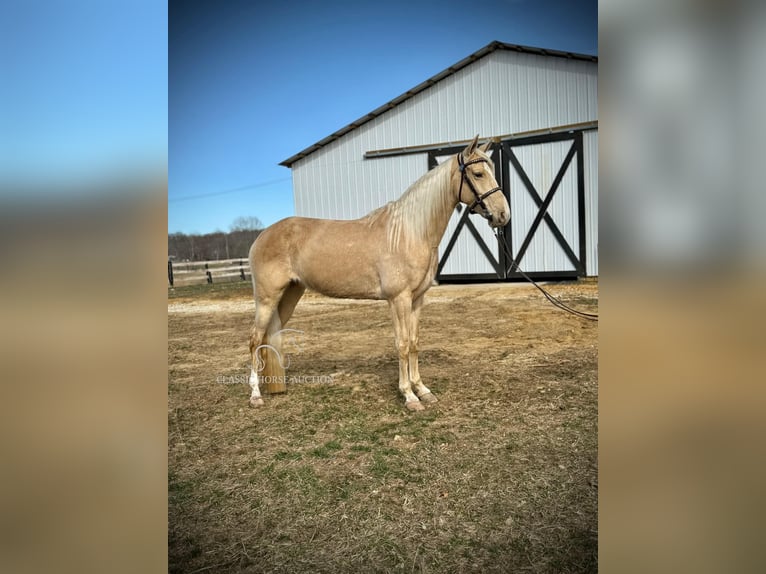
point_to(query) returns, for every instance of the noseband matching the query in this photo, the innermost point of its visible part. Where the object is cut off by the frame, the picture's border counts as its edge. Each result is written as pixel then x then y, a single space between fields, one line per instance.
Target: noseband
pixel 464 177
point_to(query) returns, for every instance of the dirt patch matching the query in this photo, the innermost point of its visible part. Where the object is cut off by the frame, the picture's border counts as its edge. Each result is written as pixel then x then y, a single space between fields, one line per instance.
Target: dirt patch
pixel 336 476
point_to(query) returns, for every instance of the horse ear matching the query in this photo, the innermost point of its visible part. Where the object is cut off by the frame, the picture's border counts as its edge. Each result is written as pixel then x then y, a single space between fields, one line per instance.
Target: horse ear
pixel 486 147
pixel 471 147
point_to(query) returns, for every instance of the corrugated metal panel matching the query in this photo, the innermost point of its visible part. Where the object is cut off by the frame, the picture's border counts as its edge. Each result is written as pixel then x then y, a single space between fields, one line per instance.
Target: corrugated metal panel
pixel 590 166
pixel 504 92
pixel 347 190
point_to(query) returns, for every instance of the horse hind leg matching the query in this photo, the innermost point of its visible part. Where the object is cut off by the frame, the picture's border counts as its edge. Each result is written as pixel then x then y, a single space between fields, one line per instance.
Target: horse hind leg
pixel 289 300
pixel 276 359
pixel 266 325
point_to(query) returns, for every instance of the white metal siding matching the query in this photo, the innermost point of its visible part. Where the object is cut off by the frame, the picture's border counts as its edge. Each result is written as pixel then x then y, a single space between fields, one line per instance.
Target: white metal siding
pixel 350 189
pixel 504 92
pixel 590 166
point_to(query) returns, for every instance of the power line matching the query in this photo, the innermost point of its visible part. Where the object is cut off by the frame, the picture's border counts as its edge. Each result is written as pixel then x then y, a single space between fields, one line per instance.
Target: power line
pixel 243 188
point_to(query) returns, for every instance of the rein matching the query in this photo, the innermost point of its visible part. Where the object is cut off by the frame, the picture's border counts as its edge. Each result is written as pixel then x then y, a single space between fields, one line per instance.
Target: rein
pixel 464 177
pixel 554 301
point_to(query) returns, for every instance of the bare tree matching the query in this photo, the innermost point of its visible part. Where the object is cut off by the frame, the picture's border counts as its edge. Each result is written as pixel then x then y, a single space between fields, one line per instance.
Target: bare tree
pixel 216 245
pixel 246 223
pixel 178 246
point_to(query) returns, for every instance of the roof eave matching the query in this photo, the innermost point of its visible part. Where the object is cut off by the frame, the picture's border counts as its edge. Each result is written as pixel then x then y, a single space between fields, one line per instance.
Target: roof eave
pixel 489 48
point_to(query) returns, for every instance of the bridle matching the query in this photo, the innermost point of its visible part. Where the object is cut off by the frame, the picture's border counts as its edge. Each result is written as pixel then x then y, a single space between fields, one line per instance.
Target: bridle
pixel 464 177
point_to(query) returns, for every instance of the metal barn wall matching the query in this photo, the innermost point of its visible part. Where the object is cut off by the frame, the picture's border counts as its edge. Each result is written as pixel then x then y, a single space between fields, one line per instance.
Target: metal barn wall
pixel 504 92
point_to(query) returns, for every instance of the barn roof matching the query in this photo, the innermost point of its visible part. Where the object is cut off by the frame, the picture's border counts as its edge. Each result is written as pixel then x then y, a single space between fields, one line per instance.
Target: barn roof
pixel 488 49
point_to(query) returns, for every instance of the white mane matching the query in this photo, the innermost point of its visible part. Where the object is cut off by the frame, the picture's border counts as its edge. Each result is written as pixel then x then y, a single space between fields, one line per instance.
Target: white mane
pixel 411 216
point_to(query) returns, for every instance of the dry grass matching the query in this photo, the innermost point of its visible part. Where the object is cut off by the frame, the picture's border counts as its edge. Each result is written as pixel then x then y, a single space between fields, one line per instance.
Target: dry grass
pixel 499 476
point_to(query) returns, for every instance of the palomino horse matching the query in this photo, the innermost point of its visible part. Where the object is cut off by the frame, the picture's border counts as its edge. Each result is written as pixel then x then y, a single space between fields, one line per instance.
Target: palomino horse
pixel 390 254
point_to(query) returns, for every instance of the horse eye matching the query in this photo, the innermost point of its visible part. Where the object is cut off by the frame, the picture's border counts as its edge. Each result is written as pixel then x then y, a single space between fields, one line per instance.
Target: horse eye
pixel 478 175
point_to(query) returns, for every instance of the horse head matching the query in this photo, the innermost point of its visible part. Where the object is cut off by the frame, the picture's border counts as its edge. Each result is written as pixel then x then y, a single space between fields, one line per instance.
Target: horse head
pixel 477 186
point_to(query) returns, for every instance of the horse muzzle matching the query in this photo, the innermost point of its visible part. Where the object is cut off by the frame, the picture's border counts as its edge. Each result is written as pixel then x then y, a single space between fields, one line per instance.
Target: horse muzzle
pixel 497 220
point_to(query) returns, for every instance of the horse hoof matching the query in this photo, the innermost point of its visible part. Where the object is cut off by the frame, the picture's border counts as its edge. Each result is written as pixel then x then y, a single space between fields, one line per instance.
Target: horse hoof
pixel 414 406
pixel 428 398
pixel 256 402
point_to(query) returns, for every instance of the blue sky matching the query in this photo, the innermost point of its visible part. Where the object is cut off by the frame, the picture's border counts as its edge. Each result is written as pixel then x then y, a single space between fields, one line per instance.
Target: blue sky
pixel 252 83
pixel 83 94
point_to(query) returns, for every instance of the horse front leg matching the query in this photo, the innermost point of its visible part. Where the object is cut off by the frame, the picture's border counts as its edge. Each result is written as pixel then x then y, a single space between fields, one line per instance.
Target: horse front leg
pixel 401 310
pixel 420 389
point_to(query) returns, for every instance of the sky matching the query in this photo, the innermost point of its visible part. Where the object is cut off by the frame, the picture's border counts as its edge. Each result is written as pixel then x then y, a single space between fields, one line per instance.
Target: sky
pixel 83 94
pixel 252 83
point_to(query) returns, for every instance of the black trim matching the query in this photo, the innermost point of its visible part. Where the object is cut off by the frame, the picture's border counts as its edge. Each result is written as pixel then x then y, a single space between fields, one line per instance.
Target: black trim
pixel 488 277
pixel 543 138
pixel 581 201
pixel 505 179
pixel 468 278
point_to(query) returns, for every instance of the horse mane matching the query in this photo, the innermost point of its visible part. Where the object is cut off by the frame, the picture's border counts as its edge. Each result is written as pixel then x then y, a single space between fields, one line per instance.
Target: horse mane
pixel 410 217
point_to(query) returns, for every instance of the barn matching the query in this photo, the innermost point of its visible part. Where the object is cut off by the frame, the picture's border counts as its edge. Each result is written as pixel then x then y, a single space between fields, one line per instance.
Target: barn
pixel 539 107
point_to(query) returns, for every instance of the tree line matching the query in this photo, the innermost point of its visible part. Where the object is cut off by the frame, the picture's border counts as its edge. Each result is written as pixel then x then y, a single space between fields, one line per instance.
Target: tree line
pixel 233 244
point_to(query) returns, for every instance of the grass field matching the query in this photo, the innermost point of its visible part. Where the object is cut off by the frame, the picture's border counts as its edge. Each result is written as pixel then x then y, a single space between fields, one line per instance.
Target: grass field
pixel 499 476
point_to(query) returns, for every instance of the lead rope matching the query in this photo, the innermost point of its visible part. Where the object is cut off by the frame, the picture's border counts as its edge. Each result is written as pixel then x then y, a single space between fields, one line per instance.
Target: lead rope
pixel 556 302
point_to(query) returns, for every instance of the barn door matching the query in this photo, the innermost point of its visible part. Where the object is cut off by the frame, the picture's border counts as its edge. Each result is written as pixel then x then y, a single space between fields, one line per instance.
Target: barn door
pixel 469 248
pixel 544 179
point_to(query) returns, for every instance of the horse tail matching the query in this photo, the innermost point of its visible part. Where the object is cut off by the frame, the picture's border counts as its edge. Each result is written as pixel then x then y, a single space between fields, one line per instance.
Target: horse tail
pixel 251 260
pixel 272 364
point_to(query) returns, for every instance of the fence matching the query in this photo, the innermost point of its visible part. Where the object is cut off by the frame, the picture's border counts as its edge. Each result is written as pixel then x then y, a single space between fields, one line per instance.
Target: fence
pixel 198 272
